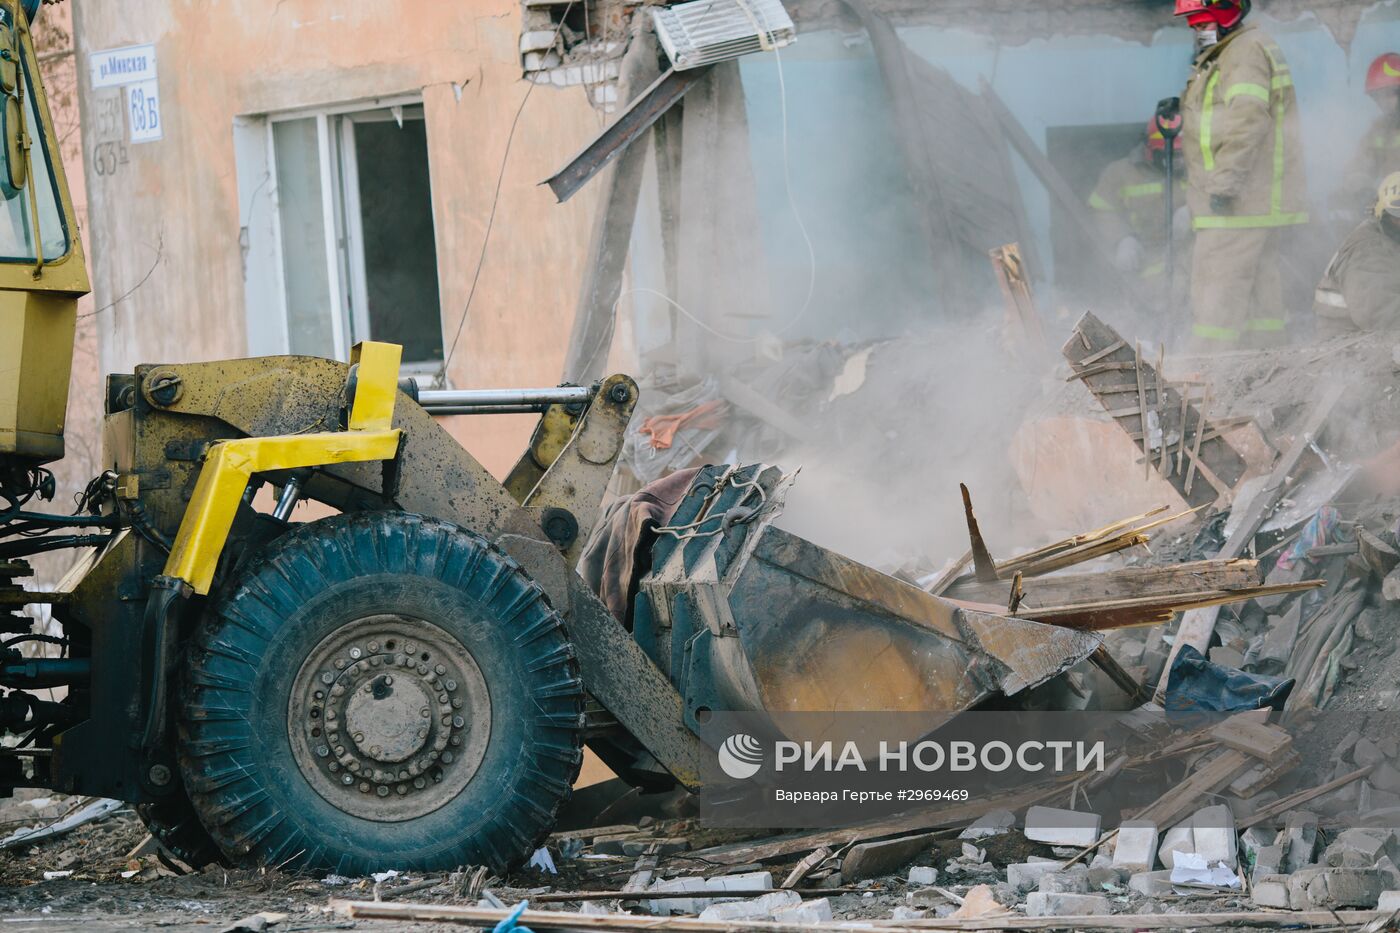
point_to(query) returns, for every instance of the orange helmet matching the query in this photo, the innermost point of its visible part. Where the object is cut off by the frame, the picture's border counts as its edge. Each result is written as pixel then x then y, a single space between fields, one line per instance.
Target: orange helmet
pixel 1224 13
pixel 1157 140
pixel 1383 73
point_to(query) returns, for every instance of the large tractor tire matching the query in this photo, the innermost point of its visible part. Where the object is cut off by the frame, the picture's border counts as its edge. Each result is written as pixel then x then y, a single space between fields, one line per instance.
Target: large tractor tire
pixel 381 690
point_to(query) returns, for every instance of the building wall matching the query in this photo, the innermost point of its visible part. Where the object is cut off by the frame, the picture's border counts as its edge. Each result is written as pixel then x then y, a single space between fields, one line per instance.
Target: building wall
pixel 164 233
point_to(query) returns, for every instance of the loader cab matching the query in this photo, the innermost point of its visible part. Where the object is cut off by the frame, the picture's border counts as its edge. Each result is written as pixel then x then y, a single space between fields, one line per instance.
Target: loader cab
pixel 42 271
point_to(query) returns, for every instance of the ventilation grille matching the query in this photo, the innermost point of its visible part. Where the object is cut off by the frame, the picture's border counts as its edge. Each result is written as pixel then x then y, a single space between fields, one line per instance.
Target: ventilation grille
pixel 703 32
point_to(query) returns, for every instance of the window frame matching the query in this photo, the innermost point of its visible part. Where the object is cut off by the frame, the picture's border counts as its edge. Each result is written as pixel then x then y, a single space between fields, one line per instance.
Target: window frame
pixel 267 317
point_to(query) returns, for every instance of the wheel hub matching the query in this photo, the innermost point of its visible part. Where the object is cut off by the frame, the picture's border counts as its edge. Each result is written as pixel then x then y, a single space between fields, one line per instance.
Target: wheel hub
pixel 389 717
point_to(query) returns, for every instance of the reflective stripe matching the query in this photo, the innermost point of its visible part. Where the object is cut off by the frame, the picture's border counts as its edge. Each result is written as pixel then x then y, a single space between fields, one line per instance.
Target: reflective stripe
pixel 1248 89
pixel 1141 191
pixel 1211 332
pixel 1207 112
pixel 1252 222
pixel 1098 203
pixel 1330 298
pixel 1276 217
pixel 1266 324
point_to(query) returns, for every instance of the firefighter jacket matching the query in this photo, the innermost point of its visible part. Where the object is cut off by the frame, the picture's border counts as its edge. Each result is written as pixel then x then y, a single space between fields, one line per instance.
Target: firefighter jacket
pixel 1241 136
pixel 1376 157
pixel 1131 200
pixel 1362 282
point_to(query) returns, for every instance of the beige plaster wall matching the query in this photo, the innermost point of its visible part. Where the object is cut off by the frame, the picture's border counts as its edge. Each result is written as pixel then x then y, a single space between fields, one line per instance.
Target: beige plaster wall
pixel 163 233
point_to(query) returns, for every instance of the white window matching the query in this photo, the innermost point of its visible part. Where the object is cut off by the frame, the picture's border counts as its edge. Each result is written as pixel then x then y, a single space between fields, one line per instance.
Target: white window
pixel 338 231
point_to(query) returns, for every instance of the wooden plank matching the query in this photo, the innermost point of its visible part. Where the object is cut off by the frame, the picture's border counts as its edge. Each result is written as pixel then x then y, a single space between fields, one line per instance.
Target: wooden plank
pixel 1123 613
pixel 1010 271
pixel 1247 734
pixel 628 923
pixel 1223 461
pixel 950 576
pixel 1208 778
pixel 872 859
pixel 1196 629
pixel 1130 582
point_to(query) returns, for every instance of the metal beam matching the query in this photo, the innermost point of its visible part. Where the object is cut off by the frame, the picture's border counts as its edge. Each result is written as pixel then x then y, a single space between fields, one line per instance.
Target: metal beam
pixel 607 145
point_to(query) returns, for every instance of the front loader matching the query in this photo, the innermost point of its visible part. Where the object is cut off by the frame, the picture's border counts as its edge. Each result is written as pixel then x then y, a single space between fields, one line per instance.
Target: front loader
pixel 410 680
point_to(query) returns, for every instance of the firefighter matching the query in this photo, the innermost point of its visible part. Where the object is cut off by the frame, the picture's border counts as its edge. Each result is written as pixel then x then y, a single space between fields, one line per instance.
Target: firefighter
pixel 1361 288
pixel 1379 152
pixel 1245 184
pixel 1130 205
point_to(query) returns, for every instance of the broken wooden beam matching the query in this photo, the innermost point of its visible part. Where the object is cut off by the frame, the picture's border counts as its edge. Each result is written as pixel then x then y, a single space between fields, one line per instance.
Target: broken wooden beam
pixel 1127 583
pixel 1091 337
pixel 1150 610
pixel 1021 314
pixel 626 923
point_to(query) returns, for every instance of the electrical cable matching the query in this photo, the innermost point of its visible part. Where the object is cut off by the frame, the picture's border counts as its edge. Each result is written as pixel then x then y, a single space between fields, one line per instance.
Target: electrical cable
pixel 495 202
pixel 801 227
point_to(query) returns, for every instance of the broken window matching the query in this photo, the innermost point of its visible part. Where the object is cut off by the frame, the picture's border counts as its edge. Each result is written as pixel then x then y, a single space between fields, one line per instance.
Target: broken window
pixel 353 231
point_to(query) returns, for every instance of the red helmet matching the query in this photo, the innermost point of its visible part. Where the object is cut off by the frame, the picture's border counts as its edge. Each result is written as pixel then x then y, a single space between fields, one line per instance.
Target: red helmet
pixel 1224 13
pixel 1157 141
pixel 1383 73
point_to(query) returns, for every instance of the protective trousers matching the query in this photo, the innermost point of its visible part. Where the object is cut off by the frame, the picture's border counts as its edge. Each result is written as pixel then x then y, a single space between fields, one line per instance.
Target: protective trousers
pixel 1237 290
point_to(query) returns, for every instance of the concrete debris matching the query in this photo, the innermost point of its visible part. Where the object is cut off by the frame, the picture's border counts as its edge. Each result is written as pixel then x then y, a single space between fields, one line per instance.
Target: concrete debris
pixel 923 875
pixel 1389 900
pixel 1042 904
pixel 1135 846
pixel 813 911
pixel 1026 876
pixel 994 823
pixel 759 908
pixel 1062 827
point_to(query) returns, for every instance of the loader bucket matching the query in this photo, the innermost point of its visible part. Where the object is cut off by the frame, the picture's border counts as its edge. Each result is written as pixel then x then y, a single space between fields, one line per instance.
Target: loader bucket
pixel 746 616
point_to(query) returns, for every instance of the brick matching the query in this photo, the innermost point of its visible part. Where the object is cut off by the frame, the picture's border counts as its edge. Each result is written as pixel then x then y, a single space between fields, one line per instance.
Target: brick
pixel 1270 891
pixel 759 908
pixel 1025 876
pixel 1057 827
pixel 745 881
pixel 1073 881
pixel 814 911
pixel 1268 860
pixel 1326 888
pixel 1136 845
pixel 990 824
pixel 678 905
pixel 1043 904
pixel 1176 839
pixel 1356 848
pixel 1152 883
pixel 1299 839
pixel 1213 832
pixel 923 875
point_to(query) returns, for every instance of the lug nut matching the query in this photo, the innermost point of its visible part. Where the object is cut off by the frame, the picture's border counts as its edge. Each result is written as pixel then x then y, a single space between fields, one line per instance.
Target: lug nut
pixel 403 775
pixel 339 750
pixel 376 751
pixel 444 698
pixel 439 670
pixel 338 690
pixel 159 775
pixel 403 790
pixel 456 740
pixel 450 684
pixel 340 664
pixel 333 767
pixel 425 712
pixel 458 722
pixel 355 653
pixel 382 791
pixel 327 677
pixel 364 787
pixel 322 751
pixel 347 779
pixel 410 648
pixel 388 679
pixel 456 703
pixel 447 758
pixel 419 783
pixel 374 646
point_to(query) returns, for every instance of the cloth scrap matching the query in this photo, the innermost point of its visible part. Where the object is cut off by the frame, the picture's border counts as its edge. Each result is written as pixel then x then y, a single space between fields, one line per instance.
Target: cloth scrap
pixel 662 428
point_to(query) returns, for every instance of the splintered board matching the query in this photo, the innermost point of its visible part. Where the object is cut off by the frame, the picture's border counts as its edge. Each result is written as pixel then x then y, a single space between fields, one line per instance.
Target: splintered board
pixel 1197 461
